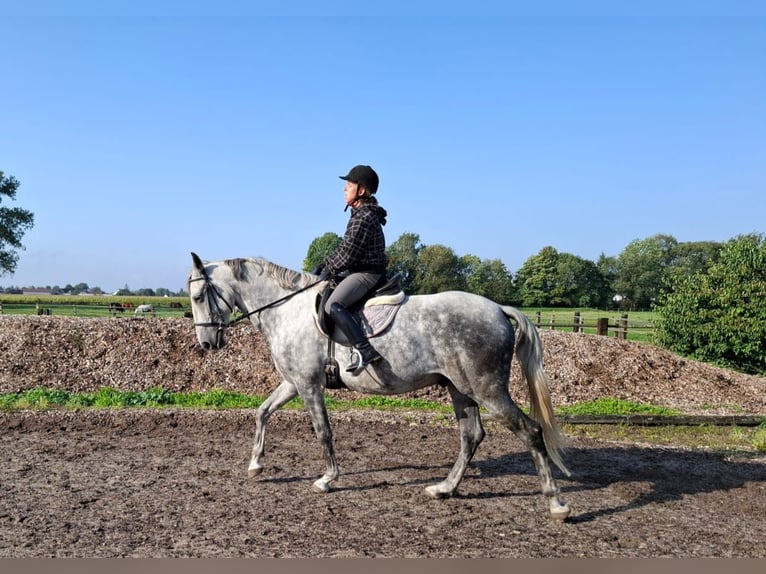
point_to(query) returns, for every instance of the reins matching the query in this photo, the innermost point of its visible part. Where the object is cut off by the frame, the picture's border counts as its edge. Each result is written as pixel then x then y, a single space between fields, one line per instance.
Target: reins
pixel 277 302
pixel 220 324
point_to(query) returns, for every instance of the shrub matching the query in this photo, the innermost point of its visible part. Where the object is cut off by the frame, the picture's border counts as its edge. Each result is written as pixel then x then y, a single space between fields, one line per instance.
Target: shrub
pixel 719 315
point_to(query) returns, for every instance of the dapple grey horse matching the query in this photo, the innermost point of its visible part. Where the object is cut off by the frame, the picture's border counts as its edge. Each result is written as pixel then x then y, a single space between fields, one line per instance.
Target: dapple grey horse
pixel 455 339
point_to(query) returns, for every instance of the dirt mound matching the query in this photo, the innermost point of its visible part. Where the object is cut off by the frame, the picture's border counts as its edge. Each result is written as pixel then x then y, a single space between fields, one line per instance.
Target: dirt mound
pixel 85 354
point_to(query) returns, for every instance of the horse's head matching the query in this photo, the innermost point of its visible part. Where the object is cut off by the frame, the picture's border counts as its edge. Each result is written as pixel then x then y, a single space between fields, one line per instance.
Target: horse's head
pixel 211 304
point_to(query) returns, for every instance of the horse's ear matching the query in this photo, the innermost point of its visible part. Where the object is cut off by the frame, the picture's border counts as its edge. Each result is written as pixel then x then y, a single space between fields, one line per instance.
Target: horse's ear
pixel 198 262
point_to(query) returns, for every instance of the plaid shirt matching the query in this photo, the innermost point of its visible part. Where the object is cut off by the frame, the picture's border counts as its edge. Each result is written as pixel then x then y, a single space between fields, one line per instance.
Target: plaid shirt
pixel 363 247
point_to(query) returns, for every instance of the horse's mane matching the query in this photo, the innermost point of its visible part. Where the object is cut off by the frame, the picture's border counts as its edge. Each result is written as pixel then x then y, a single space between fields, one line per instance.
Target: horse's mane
pixel 285 278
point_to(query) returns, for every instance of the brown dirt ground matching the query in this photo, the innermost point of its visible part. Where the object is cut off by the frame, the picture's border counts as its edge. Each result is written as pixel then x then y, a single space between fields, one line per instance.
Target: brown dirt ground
pixel 173 483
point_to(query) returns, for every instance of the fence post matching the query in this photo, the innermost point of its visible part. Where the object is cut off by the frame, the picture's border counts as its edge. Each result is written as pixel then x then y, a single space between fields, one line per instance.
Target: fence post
pixel 602 326
pixel 576 322
pixel 537 319
pixel 553 322
pixel 624 326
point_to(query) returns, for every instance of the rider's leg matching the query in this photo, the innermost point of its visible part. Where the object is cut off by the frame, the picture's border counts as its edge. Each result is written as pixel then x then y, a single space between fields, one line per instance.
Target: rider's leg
pixel 355 335
pixel 348 292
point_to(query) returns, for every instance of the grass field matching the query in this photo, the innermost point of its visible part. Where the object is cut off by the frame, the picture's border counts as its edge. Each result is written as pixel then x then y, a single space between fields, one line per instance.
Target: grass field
pixel 640 324
pixel 87 305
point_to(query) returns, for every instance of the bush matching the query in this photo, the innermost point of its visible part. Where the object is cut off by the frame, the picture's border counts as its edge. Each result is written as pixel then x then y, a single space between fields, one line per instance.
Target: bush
pixel 719 315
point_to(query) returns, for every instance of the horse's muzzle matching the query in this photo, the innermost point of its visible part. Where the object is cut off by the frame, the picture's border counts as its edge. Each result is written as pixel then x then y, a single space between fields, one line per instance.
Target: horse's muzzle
pixel 220 338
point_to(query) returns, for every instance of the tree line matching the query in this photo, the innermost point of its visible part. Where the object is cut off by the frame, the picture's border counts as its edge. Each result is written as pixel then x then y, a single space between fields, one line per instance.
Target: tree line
pixel 632 280
pixel 85 289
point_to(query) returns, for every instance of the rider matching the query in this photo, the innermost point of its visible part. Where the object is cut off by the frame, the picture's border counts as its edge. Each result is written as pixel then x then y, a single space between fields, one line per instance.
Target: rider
pixel 362 254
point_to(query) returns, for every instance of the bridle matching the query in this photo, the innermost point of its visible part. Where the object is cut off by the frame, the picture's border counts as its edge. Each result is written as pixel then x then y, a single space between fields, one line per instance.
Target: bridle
pixel 217 315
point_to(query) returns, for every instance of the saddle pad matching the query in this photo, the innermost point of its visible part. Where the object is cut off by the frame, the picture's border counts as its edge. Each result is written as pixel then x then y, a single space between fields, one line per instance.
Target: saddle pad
pixel 394 299
pixel 377 318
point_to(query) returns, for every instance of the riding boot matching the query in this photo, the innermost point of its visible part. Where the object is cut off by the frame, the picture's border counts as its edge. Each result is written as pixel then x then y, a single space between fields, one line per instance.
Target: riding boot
pixel 365 353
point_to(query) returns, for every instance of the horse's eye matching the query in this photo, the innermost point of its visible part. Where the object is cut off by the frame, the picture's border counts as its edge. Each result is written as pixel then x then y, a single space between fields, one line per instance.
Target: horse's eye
pixel 198 298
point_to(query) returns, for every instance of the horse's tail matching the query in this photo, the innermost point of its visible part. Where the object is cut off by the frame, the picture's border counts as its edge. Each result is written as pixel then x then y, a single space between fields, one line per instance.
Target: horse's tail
pixel 529 350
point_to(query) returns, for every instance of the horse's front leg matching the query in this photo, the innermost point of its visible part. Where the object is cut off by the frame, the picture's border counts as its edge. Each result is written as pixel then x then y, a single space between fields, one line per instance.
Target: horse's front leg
pixel 314 401
pixel 283 393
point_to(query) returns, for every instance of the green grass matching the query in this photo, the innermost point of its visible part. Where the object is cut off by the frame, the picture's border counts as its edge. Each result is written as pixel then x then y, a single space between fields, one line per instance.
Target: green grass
pixel 738 441
pixel 759 438
pixel 109 398
pixel 158 397
pixel 610 406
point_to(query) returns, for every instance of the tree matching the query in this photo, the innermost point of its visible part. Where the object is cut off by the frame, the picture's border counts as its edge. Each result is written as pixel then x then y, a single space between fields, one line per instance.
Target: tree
pixel 80 288
pixel 640 269
pixel 718 314
pixel 439 269
pixel 579 283
pixel 489 278
pixel 403 255
pixel 553 279
pixel 692 257
pixel 607 266
pixel 319 249
pixel 535 279
pixel 14 222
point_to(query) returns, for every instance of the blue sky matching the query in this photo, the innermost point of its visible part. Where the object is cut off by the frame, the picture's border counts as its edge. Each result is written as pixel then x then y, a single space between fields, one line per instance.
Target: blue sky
pixel 142 131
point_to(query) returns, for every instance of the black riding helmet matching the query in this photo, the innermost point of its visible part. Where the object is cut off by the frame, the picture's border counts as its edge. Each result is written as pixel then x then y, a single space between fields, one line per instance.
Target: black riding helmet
pixel 363 175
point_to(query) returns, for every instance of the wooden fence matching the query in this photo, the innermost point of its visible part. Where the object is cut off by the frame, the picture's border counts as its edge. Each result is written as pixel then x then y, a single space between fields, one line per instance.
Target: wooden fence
pixel 602 326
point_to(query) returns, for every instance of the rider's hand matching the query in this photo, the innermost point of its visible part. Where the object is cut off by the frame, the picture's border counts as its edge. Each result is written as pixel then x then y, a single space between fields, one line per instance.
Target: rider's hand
pixel 322 272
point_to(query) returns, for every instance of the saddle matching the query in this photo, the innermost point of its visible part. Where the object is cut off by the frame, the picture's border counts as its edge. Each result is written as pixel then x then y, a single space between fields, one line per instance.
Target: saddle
pixel 375 312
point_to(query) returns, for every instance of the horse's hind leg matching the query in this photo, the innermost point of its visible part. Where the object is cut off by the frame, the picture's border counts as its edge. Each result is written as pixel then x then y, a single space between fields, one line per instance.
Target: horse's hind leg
pixel 283 393
pixel 506 412
pixel 471 435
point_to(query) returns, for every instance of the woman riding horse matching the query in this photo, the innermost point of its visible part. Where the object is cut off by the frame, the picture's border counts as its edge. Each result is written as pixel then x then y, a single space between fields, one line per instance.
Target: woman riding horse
pixel 362 253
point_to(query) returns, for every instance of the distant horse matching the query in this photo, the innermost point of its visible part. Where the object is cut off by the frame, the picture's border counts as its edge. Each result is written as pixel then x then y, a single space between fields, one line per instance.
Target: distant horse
pixel 115 308
pixel 455 339
pixel 144 309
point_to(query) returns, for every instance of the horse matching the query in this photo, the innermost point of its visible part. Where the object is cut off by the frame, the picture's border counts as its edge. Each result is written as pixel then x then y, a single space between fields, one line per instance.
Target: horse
pixel 115 308
pixel 455 339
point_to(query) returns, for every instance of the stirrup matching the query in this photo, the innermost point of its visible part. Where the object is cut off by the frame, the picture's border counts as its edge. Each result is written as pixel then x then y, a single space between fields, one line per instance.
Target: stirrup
pixel 359 362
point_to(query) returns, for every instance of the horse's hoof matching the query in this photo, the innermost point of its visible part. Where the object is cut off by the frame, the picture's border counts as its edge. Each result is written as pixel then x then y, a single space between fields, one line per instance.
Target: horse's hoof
pixel 436 492
pixel 254 470
pixel 321 487
pixel 560 511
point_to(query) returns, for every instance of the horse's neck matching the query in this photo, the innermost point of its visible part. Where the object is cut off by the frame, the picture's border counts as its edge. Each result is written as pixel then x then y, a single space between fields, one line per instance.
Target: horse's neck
pixel 259 293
